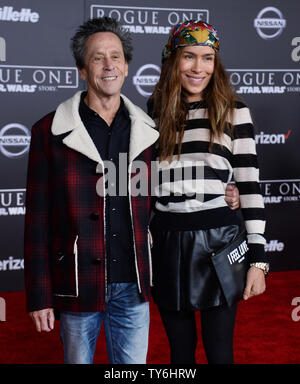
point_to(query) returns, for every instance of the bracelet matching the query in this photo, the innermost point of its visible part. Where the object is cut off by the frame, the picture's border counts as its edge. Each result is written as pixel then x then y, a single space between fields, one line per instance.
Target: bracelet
pixel 263 266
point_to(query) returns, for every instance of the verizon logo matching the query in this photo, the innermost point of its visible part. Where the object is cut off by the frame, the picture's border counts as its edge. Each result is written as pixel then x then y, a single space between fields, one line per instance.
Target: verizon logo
pixel 264 138
pixel 11 264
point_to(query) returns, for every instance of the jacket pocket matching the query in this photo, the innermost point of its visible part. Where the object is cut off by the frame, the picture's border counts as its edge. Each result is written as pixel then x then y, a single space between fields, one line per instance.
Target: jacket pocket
pixel 65 270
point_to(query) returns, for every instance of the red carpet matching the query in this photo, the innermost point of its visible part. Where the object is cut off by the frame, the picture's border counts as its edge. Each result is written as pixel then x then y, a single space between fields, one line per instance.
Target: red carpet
pixel 265 331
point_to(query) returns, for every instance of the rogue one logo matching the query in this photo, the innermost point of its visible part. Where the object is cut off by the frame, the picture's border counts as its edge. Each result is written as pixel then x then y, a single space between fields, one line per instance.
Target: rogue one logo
pixel 148 20
pixel 145 78
pixel 28 78
pixel 281 191
pixel 274 25
pixel 12 202
pixel 14 136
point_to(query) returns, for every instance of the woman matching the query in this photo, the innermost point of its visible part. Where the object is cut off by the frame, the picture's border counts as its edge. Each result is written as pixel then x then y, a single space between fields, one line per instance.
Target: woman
pixel 206 133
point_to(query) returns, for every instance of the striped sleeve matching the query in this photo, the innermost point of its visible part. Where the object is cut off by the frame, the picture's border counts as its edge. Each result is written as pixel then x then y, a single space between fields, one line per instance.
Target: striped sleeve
pixel 246 176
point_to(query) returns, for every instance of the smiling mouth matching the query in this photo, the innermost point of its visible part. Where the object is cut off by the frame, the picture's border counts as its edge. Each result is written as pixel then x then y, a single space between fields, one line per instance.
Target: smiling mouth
pixel 109 78
pixel 195 79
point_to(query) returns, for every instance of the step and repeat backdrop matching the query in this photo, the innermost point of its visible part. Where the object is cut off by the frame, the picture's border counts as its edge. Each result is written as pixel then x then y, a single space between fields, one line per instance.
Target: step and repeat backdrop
pixel 260 47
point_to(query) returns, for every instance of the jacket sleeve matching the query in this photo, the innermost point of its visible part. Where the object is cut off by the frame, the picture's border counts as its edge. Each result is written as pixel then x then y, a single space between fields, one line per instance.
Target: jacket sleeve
pixel 154 153
pixel 246 176
pixel 36 237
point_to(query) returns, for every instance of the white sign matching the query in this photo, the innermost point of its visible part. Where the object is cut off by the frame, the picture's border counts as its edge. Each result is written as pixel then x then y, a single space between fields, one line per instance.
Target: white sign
pixel 25 15
pixel 146 78
pixel 265 81
pixel 14 140
pixel 148 20
pixel 280 191
pixel 266 25
pixel 30 79
pixel 12 202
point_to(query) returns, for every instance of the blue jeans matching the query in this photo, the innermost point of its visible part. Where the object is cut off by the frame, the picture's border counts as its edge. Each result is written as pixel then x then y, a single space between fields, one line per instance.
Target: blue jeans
pixel 126 323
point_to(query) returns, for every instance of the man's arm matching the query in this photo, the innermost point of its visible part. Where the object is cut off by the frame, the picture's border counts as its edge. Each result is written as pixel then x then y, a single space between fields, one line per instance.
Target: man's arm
pixel 38 282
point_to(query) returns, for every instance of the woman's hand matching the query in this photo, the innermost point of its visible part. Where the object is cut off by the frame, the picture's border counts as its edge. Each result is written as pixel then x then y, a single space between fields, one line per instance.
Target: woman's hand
pixel 232 196
pixel 255 284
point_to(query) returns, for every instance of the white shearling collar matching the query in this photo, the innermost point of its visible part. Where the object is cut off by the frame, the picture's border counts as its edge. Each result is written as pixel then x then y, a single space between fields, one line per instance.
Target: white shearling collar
pixel 67 119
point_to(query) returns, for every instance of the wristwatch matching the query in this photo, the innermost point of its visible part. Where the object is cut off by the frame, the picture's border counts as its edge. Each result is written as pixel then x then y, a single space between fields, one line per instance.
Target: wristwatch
pixel 263 266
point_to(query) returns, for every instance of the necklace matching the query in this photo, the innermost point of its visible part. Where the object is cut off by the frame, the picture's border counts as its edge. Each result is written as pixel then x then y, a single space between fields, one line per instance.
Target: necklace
pixel 196 104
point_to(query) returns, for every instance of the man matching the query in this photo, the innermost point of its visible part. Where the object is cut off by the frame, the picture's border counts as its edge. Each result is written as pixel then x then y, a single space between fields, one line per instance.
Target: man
pixel 86 252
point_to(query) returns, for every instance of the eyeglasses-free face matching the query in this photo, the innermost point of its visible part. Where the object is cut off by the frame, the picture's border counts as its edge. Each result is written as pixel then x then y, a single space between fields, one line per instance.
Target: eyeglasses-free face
pixel 196 67
pixel 105 66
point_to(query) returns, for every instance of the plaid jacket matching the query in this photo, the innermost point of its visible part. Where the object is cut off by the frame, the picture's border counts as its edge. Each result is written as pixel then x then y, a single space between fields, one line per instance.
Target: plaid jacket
pixel 64 251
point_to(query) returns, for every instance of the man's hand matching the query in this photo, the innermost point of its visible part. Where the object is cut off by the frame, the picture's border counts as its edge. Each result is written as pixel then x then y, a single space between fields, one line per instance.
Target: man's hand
pixel 232 196
pixel 43 319
pixel 255 284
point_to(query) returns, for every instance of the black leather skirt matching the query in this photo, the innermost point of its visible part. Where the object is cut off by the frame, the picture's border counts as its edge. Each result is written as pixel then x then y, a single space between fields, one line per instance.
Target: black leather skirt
pixel 183 274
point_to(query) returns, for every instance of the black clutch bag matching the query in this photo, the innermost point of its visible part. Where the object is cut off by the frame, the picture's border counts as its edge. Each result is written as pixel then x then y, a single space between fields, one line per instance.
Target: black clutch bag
pixel 231 266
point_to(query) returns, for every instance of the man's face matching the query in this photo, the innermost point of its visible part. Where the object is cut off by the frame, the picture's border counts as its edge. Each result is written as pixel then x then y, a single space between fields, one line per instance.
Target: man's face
pixel 105 66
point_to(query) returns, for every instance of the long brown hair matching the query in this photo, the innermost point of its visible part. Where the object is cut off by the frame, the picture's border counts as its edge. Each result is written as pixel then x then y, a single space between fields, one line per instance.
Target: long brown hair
pixel 170 109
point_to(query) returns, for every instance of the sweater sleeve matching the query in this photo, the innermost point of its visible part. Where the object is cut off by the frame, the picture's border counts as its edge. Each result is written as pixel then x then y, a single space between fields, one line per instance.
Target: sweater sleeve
pixel 246 176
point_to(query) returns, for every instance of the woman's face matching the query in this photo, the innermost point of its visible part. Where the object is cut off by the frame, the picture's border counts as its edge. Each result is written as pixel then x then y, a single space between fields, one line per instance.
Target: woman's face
pixel 196 67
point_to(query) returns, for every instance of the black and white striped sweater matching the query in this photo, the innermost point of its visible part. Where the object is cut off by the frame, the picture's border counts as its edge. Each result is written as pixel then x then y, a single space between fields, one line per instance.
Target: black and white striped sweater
pixel 190 193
